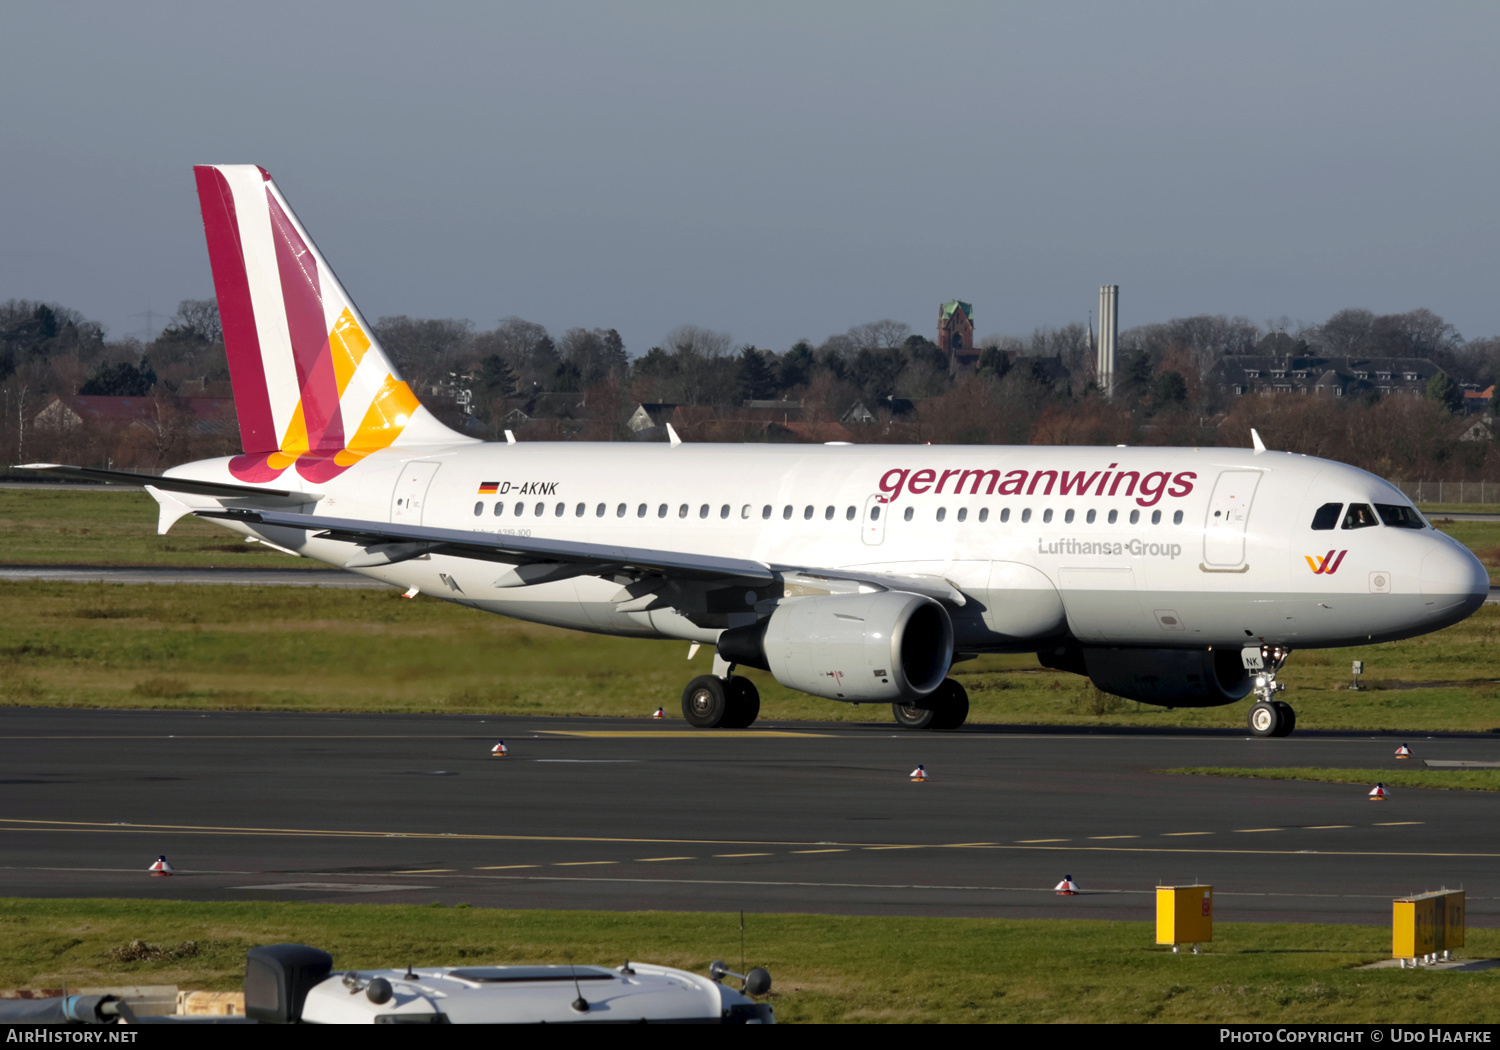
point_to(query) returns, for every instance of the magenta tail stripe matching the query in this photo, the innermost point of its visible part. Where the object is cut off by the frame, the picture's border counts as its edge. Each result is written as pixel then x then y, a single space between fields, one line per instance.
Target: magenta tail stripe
pixel 252 400
pixel 303 295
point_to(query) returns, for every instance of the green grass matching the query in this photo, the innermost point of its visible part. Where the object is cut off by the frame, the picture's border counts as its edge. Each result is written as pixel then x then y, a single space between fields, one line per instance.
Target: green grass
pixel 116 527
pixel 824 968
pixel 198 647
pixel 1447 779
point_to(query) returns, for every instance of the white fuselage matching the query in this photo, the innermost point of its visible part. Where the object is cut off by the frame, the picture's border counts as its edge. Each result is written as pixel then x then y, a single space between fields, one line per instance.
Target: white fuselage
pixel 1147 547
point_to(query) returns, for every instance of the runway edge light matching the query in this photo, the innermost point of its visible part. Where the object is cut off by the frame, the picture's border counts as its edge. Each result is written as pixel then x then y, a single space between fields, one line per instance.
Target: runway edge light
pixel 1185 915
pixel 1067 887
pixel 499 751
pixel 660 714
pixel 918 775
pixel 161 867
pixel 1403 751
pixel 1378 793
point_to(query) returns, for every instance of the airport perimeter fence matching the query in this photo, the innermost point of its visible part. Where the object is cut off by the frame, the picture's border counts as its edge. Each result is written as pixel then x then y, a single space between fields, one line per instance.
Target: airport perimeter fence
pixel 1450 491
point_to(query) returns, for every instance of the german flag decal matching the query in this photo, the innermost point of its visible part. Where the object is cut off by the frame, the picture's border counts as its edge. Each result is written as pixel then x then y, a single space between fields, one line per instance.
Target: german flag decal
pixel 487 487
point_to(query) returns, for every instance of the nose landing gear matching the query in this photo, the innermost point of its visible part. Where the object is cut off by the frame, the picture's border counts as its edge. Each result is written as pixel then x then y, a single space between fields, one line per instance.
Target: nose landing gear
pixel 1268 716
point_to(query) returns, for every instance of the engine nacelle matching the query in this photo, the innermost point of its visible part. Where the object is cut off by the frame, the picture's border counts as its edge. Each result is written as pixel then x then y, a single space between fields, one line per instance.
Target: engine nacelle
pixel 1170 677
pixel 886 647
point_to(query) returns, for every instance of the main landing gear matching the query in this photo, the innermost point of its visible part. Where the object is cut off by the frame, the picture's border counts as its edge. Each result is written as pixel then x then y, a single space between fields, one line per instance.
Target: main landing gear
pixel 945 707
pixel 1269 716
pixel 714 702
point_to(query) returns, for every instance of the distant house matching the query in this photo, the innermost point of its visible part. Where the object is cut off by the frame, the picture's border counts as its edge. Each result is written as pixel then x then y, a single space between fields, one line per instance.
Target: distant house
pixel 209 415
pixel 1324 376
pixel 956 335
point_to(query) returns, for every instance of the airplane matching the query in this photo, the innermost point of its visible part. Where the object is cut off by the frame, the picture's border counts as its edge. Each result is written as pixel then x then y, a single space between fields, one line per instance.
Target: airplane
pixel 1171 576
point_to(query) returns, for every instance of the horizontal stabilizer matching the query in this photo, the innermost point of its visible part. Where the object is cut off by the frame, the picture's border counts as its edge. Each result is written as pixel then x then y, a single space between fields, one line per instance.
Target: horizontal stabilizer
pixel 216 489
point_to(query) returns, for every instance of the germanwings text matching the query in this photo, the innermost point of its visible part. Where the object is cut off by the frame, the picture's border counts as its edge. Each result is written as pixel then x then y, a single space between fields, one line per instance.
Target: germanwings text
pixel 1147 489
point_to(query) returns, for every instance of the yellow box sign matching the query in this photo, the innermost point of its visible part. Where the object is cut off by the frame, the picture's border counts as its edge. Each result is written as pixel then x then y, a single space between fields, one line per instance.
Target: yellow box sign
pixel 1427 923
pixel 1184 914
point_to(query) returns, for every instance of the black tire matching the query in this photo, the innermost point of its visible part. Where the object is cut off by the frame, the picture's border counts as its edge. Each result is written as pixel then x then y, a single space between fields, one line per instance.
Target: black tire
pixel 1288 718
pixel 910 716
pixel 705 702
pixel 1264 719
pixel 744 703
pixel 950 702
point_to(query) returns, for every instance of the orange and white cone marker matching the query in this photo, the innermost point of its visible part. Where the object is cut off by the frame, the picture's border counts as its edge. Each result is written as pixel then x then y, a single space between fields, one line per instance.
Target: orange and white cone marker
pixel 1403 751
pixel 161 867
pixel 1066 888
pixel 498 751
pixel 660 714
pixel 1378 793
pixel 918 775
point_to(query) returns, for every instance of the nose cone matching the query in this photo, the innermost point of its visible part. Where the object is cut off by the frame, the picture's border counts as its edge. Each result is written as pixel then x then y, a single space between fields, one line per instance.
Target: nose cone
pixel 1454 581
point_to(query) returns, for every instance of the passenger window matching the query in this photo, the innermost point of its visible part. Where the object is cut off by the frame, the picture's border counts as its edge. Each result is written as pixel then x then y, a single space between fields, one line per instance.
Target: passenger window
pixel 963 513
pixel 1156 517
pixel 849 514
pixel 745 512
pixel 942 513
pixel 807 513
pixel 599 511
pixel 540 510
pixel 703 511
pixel 786 513
pixel 619 511
pixel 1047 516
pixel 640 512
pixel 1326 517
pixel 984 514
pixel 765 512
pixel 1114 516
pixel 908 515
pixel 1025 515
pixel 499 509
pixel 724 512
pixel 1068 517
pixel 478 509
pixel 1135 517
pixel 874 513
pixel 1004 515
pixel 1399 517
pixel 520 509
pixel 560 509
pixel 1177 518
pixel 1089 517
pixel 661 511
pixel 1359 516
pixel 682 511
pixel 828 514
pixel 578 512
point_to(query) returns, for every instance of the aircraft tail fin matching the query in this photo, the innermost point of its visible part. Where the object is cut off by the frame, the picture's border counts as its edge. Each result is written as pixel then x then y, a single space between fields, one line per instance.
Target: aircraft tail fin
pixel 312 386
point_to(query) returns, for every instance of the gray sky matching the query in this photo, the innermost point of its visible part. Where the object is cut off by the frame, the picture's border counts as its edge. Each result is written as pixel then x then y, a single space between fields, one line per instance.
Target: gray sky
pixel 774 170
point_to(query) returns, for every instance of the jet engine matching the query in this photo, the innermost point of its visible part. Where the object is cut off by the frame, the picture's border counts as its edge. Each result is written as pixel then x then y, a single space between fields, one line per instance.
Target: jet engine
pixel 1165 677
pixel 890 647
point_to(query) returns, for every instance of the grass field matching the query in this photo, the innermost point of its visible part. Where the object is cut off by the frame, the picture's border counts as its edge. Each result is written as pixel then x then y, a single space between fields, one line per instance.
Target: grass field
pixel 1417 777
pixel 824 968
pixel 326 649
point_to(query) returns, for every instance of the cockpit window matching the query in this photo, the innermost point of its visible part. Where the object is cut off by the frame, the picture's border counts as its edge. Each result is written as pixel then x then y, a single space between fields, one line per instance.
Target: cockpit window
pixel 1359 516
pixel 1327 517
pixel 1399 517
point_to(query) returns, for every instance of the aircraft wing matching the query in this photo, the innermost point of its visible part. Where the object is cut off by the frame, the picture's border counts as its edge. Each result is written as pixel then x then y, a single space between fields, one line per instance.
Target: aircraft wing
pixel 540 560
pixel 216 489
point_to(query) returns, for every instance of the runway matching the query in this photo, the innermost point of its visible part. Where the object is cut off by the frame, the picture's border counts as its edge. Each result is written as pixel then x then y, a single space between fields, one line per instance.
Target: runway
pixel 810 817
pixel 166 574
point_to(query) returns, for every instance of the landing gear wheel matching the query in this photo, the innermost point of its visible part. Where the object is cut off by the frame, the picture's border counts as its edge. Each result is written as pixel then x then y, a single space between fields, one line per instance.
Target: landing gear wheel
pixel 744 703
pixel 910 716
pixel 951 703
pixel 944 708
pixel 705 702
pixel 1288 718
pixel 1265 718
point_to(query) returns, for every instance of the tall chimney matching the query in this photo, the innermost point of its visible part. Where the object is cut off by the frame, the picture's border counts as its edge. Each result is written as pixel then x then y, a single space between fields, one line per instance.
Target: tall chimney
pixel 1109 332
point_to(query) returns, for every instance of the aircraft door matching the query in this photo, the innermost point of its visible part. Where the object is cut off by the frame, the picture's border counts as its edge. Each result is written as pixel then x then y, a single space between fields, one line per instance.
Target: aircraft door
pixel 873 526
pixel 1228 516
pixel 410 495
